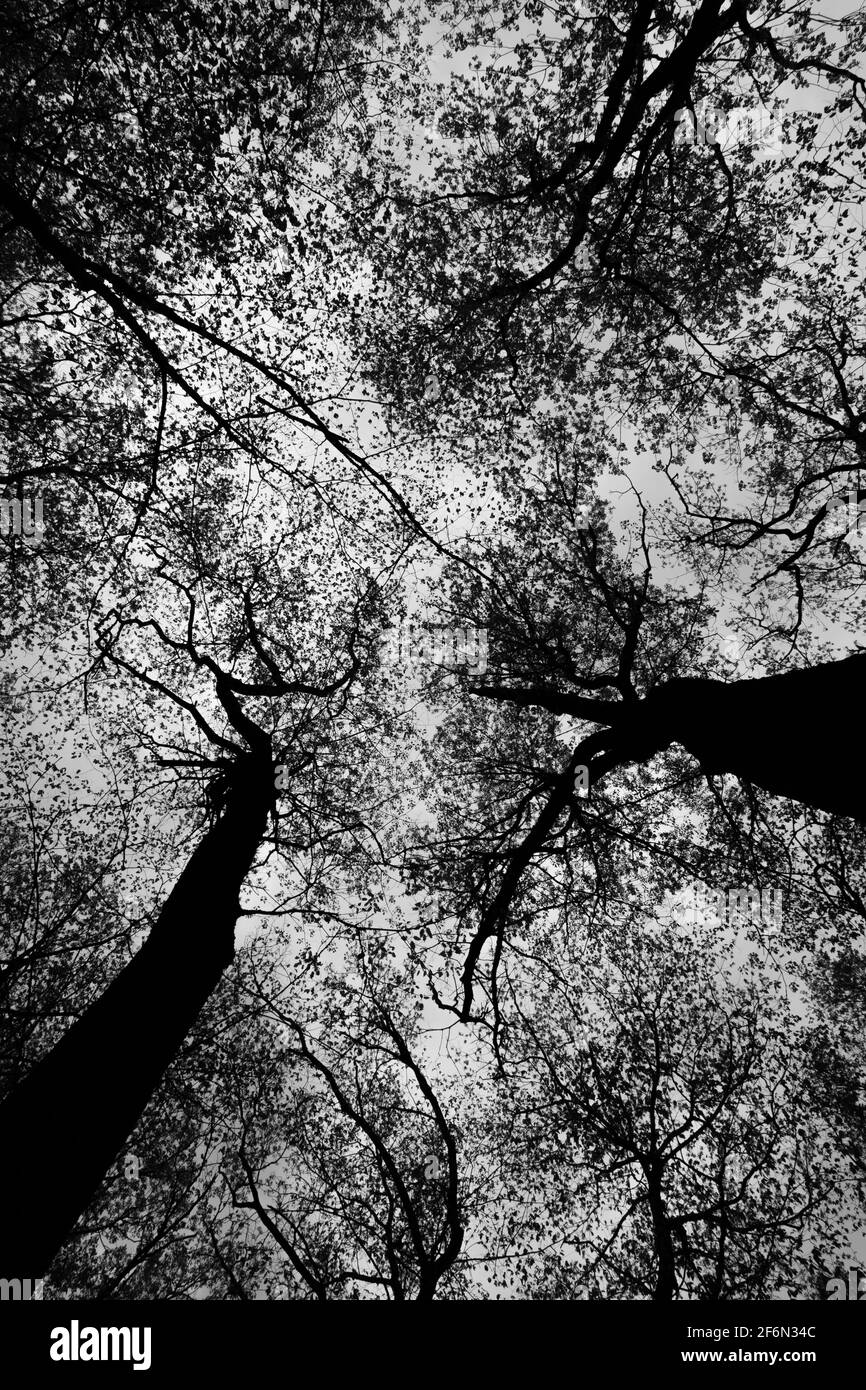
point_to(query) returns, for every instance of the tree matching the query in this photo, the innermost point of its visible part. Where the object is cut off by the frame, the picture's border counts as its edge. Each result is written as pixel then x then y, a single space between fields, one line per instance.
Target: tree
pixel 664 1106
pixel 174 530
pixel 355 1177
pixel 494 312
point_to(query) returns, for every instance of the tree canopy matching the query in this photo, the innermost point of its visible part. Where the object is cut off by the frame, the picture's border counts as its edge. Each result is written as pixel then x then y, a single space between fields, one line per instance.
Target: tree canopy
pixel 426 866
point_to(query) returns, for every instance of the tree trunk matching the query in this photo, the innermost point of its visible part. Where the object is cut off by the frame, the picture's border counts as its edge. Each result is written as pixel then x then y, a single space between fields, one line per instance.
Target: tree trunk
pixel 795 735
pixel 68 1120
pixel 666 1284
pixel 774 732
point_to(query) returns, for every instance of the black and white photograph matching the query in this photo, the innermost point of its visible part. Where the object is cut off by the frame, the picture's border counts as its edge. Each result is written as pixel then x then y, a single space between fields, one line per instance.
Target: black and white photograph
pixel 432 683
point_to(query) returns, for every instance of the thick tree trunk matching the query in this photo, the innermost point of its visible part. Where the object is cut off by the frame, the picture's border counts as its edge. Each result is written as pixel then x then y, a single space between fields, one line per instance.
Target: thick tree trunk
pixel 666 1283
pixel 795 735
pixel 68 1120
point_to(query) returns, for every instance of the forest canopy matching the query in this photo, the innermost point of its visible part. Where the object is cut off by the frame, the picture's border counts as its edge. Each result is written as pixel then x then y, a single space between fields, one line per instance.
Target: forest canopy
pixel 434 545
